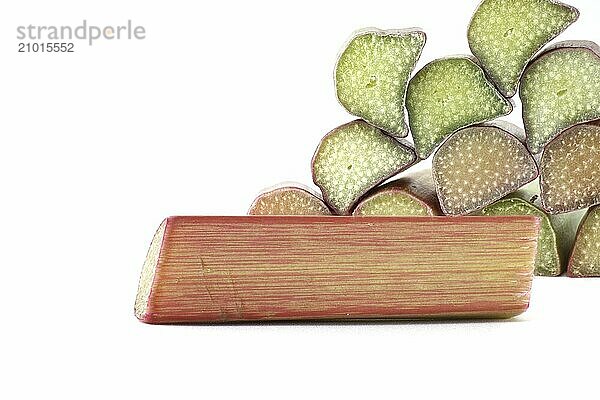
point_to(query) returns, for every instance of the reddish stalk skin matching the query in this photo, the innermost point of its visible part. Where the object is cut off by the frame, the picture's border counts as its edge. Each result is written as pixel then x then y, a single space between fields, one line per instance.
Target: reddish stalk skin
pixel 265 268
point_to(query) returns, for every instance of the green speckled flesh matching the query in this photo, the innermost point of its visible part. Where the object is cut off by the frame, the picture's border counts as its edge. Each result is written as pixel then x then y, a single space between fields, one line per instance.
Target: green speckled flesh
pixel 392 203
pixel 447 95
pixel 558 90
pixel 505 35
pixel 372 73
pixel 354 158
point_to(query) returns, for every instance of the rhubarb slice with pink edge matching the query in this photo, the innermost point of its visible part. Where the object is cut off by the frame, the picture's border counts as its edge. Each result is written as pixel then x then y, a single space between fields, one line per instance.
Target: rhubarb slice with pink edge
pixel 560 89
pixel 289 199
pixel 505 35
pixel 480 165
pixel 449 94
pixel 413 194
pixel 372 73
pixel 354 158
pixel 570 170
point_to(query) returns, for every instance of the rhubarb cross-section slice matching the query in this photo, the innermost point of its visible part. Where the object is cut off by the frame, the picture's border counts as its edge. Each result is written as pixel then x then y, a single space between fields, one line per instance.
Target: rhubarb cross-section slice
pixel 413 194
pixel 447 95
pixel 288 199
pixel 354 158
pixel 479 165
pixel 505 35
pixel 559 89
pixel 570 170
pixel 585 258
pixel 372 73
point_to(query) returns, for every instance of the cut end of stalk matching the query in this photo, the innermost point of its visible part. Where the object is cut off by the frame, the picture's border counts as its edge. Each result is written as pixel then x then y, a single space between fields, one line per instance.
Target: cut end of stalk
pixel 354 158
pixel 570 170
pixel 148 273
pixel 478 166
pixel 585 258
pixel 547 262
pixel 559 89
pixel 447 95
pixel 372 73
pixel 393 202
pixel 505 35
pixel 288 200
pixel 412 195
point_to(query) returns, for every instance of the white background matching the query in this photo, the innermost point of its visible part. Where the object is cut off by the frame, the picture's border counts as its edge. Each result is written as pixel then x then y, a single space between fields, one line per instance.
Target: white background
pixel 220 100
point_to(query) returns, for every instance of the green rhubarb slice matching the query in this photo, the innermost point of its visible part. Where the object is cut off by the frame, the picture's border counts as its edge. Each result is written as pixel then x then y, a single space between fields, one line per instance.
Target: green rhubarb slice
pixel 288 200
pixel 447 95
pixel 585 258
pixel 479 165
pixel 570 170
pixel 559 89
pixel 410 195
pixel 372 73
pixel 547 261
pixel 505 35
pixel 354 158
pixel 392 202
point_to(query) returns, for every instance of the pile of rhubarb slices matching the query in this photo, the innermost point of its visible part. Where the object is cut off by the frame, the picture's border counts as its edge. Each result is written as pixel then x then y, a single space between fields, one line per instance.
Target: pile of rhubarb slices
pixel 549 167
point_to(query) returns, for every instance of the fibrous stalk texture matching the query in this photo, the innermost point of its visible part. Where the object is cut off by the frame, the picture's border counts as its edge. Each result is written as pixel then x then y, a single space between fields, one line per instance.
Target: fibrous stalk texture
pixel 559 89
pixel 504 35
pixel 447 95
pixel 258 268
pixel 570 170
pixel 288 200
pixel 372 73
pixel 354 158
pixel 478 166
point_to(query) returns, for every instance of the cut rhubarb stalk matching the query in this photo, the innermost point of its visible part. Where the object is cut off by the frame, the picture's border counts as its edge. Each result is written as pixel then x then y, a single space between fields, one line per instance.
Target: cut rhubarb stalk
pixel 547 261
pixel 410 195
pixel 557 232
pixel 354 158
pixel 261 268
pixel 585 258
pixel 505 35
pixel 286 199
pixel 447 95
pixel 559 89
pixel 372 73
pixel 570 170
pixel 479 165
